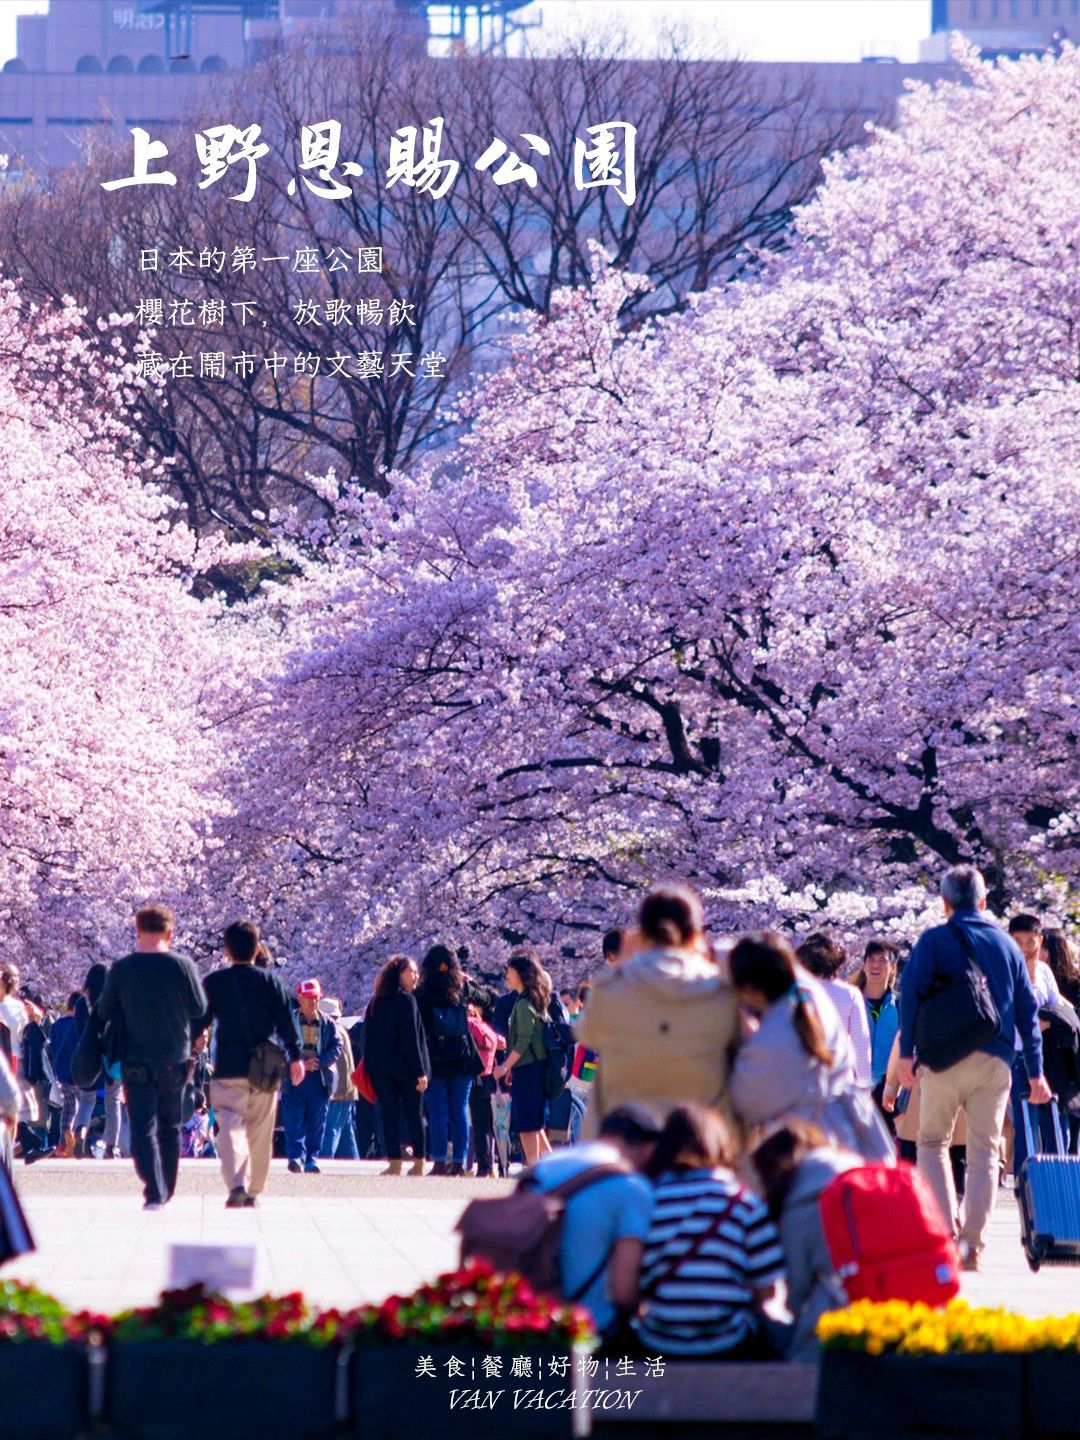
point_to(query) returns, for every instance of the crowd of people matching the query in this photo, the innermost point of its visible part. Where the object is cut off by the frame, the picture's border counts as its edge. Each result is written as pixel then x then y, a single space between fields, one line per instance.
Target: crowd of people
pixel 724 1088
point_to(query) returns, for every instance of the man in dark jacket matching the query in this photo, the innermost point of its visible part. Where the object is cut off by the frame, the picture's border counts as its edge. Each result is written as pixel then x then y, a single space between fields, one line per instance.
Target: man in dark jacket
pixel 980 1082
pixel 249 1006
pixel 304 1104
pixel 159 1003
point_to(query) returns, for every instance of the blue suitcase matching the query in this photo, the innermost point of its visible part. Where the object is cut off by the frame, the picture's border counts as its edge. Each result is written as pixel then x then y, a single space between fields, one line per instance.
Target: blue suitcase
pixel 1049 1194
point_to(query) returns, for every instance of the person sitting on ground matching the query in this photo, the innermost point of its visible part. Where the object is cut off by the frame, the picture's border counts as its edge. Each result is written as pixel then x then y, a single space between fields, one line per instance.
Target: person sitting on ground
pixel 824 956
pixel 712 1256
pixel 797 1061
pixel 605 1224
pixel 794 1166
pixel 665 1020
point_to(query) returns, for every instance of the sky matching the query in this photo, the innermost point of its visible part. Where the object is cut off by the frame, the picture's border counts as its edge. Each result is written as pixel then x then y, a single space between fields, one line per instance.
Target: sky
pixel 754 29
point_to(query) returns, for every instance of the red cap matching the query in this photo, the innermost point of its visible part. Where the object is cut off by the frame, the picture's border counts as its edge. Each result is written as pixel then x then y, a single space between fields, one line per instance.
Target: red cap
pixel 310 987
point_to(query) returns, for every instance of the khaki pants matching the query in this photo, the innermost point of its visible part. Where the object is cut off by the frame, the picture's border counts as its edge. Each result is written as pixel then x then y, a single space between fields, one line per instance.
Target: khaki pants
pixel 245 1118
pixel 979 1085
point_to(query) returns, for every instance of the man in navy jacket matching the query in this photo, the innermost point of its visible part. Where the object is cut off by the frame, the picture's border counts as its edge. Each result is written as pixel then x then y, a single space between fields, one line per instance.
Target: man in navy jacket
pixel 304 1106
pixel 978 1084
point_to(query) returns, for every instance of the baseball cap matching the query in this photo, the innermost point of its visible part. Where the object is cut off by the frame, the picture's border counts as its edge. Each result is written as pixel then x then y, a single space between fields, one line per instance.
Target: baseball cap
pixel 310 988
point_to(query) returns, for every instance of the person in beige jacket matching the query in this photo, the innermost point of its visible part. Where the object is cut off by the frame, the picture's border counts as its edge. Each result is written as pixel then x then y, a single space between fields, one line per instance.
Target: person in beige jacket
pixel 664 1020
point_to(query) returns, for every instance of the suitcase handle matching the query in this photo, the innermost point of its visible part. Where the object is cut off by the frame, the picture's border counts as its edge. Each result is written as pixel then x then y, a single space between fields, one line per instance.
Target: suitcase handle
pixel 1060 1143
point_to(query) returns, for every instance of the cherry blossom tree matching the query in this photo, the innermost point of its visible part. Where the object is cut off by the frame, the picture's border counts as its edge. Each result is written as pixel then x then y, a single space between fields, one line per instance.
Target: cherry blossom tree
pixel 779 594
pixel 112 671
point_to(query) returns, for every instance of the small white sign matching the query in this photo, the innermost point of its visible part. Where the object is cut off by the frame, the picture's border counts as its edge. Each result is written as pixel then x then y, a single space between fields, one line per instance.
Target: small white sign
pixel 218 1267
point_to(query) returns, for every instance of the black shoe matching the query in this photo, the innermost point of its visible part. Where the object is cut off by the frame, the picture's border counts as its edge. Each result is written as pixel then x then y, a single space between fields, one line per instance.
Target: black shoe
pixel 440 1168
pixel 112 1152
pixel 251 1202
pixel 32 1155
pixel 295 1168
pixel 312 1168
pixel 238 1198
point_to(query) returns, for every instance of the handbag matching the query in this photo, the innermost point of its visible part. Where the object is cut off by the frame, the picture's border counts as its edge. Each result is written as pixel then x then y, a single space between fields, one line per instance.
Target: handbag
pixel 268 1064
pixel 959 1016
pixel 362 1080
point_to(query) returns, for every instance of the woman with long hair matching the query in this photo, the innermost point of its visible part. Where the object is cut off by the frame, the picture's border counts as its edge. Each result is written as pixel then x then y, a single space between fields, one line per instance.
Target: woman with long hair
pixel 443 997
pixel 797 1060
pixel 825 957
pixel 794 1165
pixel 526 1060
pixel 665 1020
pixel 712 1255
pixel 1059 952
pixel 396 1058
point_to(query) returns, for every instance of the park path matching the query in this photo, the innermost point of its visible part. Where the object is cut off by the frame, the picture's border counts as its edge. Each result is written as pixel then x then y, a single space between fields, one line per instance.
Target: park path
pixel 342 1237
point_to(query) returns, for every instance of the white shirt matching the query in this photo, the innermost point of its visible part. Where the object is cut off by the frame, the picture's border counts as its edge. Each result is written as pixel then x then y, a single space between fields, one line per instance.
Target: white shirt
pixel 13 1015
pixel 1046 993
pixel 851 1008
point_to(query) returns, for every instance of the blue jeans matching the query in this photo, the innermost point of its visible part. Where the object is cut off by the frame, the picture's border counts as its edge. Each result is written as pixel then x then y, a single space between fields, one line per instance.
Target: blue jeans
pixel 448 1115
pixel 339 1137
pixel 1041 1119
pixel 303 1113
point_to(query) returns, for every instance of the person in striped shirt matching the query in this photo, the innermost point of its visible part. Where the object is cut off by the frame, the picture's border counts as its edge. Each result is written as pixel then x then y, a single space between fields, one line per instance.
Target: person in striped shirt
pixel 712 1257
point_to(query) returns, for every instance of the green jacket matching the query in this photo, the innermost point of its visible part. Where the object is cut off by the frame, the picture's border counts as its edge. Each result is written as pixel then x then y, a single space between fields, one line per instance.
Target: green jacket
pixel 526 1031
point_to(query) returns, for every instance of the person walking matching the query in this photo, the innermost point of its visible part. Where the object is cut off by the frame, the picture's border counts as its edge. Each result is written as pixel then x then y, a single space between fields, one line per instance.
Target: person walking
pixel 63 1038
pixel 36 1074
pixel 304 1103
pixel 443 996
pixel 526 1058
pixel 664 1021
pixel 113 1084
pixel 396 1058
pixel 247 1006
pixel 1026 931
pixel 877 981
pixel 157 1002
pixel 482 1093
pixel 339 1137
pixel 979 1082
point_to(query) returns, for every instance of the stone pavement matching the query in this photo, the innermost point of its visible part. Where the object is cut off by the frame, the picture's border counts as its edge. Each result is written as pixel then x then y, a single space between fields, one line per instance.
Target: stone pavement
pixel 342 1237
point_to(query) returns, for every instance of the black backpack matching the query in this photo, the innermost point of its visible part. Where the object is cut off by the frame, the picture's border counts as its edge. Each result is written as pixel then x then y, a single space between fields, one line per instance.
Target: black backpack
pixel 558 1049
pixel 451 1044
pixel 958 1016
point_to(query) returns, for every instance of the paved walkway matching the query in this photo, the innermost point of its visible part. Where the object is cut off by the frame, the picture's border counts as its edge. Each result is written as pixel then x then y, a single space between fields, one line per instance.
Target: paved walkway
pixel 342 1237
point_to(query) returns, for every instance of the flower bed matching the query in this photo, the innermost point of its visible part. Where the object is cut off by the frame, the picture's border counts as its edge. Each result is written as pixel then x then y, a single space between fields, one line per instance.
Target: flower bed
pixel 897 1328
pixel 44 1371
pixel 900 1369
pixel 199 1365
pixel 473 1305
pixel 441 1360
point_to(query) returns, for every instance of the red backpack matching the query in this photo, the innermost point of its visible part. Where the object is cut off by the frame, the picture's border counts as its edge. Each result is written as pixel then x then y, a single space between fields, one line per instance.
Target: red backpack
pixel 886 1236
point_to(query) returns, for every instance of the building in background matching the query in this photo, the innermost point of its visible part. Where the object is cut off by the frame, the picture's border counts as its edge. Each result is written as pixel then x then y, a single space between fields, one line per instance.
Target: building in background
pixel 1002 28
pixel 93 67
